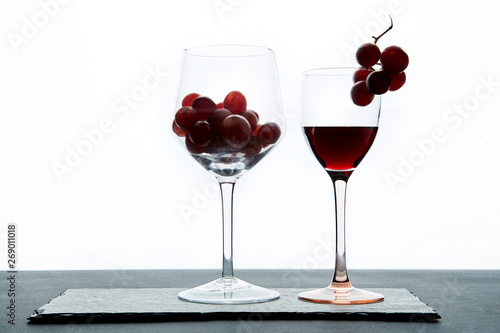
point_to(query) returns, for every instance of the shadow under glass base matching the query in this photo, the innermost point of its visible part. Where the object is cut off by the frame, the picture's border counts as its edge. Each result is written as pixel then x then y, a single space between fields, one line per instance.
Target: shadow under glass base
pixel 341 293
pixel 228 290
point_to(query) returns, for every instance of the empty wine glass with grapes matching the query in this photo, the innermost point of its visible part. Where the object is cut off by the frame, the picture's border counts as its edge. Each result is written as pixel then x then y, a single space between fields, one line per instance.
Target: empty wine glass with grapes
pixel 229 115
pixel 339 133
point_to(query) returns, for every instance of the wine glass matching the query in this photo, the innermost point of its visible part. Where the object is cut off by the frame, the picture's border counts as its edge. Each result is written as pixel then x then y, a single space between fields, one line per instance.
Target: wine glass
pixel 229 115
pixel 339 134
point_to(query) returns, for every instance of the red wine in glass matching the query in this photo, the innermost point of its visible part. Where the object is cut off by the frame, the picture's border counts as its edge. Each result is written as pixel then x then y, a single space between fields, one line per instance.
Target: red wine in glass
pixel 340 148
pixel 339 133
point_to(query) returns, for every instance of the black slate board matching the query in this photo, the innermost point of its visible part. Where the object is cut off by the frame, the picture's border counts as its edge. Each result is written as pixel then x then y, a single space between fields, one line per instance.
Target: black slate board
pixel 162 304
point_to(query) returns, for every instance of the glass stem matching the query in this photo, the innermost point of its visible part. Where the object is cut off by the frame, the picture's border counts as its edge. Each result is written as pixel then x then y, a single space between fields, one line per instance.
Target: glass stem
pixel 339 179
pixel 227 189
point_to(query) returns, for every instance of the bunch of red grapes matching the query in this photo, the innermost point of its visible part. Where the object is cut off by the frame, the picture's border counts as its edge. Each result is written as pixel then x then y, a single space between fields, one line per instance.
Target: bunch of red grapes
pixel 221 128
pixel 368 81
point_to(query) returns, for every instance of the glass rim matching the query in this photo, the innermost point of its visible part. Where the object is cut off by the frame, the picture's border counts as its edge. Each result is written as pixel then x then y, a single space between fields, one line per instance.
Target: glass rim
pixel 228 51
pixel 330 71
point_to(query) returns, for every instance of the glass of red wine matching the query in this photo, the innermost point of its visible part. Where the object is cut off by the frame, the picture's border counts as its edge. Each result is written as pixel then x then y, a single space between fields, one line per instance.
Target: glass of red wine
pixel 228 116
pixel 339 134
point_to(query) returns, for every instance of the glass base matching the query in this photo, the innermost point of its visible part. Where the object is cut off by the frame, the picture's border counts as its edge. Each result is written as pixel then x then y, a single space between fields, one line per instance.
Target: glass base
pixel 341 293
pixel 228 290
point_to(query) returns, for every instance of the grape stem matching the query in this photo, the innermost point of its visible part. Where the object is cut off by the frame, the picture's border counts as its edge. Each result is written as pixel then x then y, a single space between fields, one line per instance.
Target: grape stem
pixel 377 38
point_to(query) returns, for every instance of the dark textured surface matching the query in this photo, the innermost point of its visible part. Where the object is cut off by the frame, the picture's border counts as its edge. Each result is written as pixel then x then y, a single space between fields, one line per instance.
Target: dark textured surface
pixel 156 304
pixel 468 301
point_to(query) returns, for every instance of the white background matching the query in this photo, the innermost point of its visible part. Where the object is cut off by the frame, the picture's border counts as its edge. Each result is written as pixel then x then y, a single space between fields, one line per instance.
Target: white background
pixel 121 206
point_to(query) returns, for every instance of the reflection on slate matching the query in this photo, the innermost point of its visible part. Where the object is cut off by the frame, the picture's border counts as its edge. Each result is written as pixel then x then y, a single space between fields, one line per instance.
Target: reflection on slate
pixel 162 304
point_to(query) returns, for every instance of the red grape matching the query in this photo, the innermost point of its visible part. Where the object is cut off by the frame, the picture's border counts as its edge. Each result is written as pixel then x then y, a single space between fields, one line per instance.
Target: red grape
pixel 215 119
pixel 269 133
pixel 220 105
pixel 188 100
pixel 205 106
pixel 378 82
pixel 251 117
pixel 218 145
pixel 394 60
pixel 253 147
pixel 185 117
pixel 361 74
pixel 193 148
pixel 397 81
pixel 368 54
pixel 200 133
pixel 235 102
pixel 360 94
pixel 256 114
pixel 181 133
pixel 236 131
